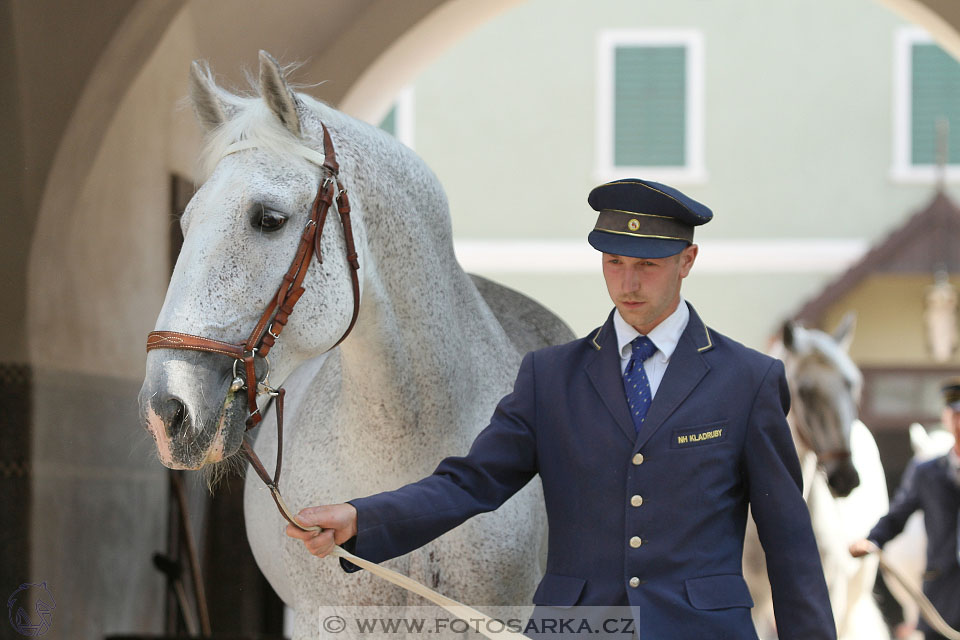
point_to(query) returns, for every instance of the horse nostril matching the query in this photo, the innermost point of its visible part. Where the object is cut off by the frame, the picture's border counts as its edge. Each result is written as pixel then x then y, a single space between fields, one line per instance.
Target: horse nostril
pixel 843 480
pixel 176 416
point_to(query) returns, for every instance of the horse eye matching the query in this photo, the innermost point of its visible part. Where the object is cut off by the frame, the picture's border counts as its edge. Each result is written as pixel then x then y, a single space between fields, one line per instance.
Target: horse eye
pixel 267 219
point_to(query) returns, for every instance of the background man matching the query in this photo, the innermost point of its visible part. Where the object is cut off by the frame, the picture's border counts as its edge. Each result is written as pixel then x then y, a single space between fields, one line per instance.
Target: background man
pixel 934 487
pixel 651 436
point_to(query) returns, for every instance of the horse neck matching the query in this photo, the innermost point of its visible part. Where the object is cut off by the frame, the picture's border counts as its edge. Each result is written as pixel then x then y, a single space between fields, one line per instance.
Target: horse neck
pixel 421 316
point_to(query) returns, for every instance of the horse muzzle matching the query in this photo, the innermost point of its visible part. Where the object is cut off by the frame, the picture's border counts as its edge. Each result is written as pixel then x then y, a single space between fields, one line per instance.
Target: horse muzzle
pixel 188 406
pixel 842 477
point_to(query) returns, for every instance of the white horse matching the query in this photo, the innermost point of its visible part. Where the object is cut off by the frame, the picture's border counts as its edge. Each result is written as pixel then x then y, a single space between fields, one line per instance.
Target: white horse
pixel 907 553
pixel 432 352
pixel 843 479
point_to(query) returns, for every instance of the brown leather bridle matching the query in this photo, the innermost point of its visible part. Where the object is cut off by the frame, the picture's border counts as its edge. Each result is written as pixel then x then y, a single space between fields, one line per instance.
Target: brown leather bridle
pixel 275 316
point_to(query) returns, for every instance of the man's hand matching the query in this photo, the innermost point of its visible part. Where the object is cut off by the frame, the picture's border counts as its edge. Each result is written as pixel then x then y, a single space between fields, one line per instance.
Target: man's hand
pixel 339 522
pixel 863 547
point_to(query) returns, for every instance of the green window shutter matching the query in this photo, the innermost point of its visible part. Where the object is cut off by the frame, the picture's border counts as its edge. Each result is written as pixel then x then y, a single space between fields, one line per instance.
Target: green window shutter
pixel 935 94
pixel 650 106
pixel 389 122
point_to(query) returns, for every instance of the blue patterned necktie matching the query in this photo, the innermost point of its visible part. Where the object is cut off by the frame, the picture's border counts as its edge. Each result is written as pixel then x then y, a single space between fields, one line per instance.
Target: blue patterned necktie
pixel 635 381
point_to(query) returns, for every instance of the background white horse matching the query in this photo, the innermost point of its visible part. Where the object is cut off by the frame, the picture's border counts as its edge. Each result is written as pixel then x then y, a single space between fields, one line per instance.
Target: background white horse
pixel 432 352
pixel 845 494
pixel 907 552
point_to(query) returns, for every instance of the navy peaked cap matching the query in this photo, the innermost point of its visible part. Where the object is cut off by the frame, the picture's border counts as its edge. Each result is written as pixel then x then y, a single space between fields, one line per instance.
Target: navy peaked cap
pixel 950 389
pixel 644 219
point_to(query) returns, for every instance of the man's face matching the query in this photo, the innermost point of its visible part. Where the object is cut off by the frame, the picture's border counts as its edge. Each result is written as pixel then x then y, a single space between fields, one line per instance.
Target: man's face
pixel 951 422
pixel 646 290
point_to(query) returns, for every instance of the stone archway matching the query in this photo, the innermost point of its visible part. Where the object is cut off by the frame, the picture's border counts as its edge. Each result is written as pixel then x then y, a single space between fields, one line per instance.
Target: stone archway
pixel 941 18
pixel 86 364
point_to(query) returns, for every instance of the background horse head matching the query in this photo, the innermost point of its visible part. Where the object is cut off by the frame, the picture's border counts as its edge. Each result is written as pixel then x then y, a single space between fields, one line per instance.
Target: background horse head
pixel 848 497
pixel 825 387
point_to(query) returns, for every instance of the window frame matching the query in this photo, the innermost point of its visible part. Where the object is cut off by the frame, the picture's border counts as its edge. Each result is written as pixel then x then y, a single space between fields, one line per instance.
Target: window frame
pixel 693 171
pixel 903 169
pixel 404 111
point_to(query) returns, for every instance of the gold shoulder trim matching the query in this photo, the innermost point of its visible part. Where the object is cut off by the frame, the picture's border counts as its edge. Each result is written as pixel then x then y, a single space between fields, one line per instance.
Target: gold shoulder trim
pixel 596 335
pixel 709 344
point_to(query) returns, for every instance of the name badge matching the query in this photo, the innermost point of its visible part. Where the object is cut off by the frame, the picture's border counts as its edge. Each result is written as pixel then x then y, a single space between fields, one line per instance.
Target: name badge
pixel 698 436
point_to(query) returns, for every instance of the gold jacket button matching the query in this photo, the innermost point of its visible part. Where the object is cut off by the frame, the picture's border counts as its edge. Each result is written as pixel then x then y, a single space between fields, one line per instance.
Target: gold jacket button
pixel 638 459
pixel 636 501
pixel 635 542
pixel 634 582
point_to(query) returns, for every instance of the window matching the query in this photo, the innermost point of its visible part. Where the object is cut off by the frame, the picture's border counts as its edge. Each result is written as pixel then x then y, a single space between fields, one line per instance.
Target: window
pixel 650 105
pixel 926 108
pixel 399 120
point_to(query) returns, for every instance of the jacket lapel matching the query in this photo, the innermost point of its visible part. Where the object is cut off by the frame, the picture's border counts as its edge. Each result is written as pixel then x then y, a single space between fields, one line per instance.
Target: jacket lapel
pixel 686 369
pixel 603 369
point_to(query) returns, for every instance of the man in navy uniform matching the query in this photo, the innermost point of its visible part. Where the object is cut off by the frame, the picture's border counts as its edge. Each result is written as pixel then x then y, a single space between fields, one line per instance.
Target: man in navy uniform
pixel 934 487
pixel 652 436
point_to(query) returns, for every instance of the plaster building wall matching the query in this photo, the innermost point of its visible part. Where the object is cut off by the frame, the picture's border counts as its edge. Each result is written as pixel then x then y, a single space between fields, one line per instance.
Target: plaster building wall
pixel 891 330
pixel 798 121
pixel 98 273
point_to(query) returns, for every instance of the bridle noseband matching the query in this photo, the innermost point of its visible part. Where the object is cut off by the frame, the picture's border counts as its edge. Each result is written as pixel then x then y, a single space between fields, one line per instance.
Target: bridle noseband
pixel 275 316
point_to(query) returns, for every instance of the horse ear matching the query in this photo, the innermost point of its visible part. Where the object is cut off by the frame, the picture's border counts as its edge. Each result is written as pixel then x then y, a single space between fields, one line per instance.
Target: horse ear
pixel 919 438
pixel 843 334
pixel 205 97
pixel 788 337
pixel 274 89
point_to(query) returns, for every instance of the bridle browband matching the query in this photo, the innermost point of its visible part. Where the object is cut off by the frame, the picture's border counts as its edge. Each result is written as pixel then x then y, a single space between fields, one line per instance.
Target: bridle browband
pixel 275 316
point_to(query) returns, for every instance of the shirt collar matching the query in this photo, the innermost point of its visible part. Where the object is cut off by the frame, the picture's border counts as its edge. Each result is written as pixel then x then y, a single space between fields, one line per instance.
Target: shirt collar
pixel 664 336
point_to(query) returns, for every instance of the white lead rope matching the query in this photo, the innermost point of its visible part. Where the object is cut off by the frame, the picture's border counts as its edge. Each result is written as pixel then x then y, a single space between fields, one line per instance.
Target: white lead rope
pixel 927 610
pixel 462 611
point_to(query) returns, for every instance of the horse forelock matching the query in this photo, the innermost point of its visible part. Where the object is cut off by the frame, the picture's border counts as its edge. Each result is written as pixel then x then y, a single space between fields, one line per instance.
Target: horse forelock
pixel 251 120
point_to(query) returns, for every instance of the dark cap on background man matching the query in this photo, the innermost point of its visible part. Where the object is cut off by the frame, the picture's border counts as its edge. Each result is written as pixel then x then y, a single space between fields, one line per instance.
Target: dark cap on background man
pixel 951 393
pixel 643 219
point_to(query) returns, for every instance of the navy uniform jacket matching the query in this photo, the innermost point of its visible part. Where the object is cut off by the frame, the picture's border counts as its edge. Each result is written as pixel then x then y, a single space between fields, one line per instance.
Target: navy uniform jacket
pixel 929 486
pixel 715 440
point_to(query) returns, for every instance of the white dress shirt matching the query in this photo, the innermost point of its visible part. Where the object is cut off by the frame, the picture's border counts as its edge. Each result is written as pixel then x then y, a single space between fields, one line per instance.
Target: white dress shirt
pixel 664 336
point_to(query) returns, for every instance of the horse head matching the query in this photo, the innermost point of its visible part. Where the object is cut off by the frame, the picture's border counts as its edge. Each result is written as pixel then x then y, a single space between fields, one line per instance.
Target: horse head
pixel 825 387
pixel 266 166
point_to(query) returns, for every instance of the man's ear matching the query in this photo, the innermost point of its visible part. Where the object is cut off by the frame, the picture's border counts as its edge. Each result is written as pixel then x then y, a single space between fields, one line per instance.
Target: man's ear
pixel 687 257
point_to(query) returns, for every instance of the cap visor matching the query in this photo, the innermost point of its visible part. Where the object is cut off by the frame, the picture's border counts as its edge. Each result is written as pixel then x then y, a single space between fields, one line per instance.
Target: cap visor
pixel 634 247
